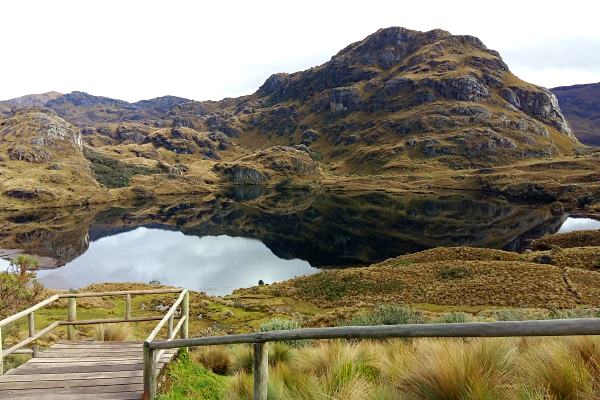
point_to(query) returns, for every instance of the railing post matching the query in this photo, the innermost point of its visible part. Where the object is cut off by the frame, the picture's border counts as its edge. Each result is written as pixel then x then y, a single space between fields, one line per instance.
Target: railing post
pixel 170 331
pixel 32 332
pixel 149 373
pixel 185 312
pixel 261 370
pixel 1 354
pixel 72 317
pixel 31 324
pixel 128 307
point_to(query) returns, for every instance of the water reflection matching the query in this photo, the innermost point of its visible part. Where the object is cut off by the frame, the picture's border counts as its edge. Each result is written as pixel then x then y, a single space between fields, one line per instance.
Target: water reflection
pixel 222 241
pixel 212 264
pixel 579 224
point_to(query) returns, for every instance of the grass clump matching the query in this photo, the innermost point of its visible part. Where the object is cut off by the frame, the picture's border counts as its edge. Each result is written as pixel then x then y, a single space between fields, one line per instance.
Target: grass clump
pixel 113 332
pixel 214 358
pixel 113 173
pixel 419 369
pixel 188 380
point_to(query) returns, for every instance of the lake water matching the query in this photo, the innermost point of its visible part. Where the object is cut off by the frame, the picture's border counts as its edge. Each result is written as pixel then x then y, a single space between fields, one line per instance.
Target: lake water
pixel 218 243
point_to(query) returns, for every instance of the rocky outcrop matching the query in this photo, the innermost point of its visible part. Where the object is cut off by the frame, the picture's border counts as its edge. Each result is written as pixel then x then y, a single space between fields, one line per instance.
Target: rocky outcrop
pixel 343 99
pixel 540 104
pixel 240 174
pixel 35 135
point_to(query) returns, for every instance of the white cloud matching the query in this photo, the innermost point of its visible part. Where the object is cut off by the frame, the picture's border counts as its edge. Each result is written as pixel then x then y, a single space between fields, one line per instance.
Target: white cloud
pixel 208 50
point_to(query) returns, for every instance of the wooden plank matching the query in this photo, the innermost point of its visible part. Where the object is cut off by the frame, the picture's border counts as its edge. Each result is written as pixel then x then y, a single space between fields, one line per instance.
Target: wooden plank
pixel 79 396
pixel 91 354
pixel 70 383
pixel 83 390
pixel 75 368
pixel 79 360
pixel 74 375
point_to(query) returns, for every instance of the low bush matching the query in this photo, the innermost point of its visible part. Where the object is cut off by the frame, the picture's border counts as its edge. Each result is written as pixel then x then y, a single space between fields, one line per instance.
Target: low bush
pixel 113 173
pixel 283 324
pixel 388 315
pixel 19 287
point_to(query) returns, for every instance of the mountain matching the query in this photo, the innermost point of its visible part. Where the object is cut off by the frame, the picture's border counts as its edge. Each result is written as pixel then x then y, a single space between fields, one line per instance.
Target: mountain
pixel 403 107
pixel 581 106
pixel 32 100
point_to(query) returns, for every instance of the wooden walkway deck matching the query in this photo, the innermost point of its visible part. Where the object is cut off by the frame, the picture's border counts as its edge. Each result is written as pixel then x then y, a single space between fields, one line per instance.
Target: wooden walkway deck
pixel 80 370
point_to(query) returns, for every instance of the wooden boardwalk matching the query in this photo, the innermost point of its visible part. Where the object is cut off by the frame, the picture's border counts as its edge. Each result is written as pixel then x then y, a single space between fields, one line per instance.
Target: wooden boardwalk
pixel 80 370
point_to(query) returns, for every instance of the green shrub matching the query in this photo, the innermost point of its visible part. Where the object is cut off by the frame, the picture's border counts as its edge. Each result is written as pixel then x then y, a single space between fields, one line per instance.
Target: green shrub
pixel 454 317
pixel 509 315
pixel 282 324
pixel 113 173
pixel 389 315
pixel 19 287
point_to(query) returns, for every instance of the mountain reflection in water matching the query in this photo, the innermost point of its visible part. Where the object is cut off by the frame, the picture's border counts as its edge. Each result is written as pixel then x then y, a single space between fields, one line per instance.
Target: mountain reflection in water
pixel 212 264
pixel 219 242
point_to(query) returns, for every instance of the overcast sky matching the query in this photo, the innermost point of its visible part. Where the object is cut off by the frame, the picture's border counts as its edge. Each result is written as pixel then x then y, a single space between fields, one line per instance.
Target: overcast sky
pixel 203 50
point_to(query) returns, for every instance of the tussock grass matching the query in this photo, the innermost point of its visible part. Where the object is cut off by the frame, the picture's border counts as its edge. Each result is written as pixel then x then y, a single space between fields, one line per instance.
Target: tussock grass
pixel 433 369
pixel 214 358
pixel 113 332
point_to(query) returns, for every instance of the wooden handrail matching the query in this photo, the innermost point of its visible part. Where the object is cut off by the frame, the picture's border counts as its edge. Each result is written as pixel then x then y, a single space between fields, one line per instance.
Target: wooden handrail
pixel 558 327
pixel 260 340
pixel 28 311
pixel 167 316
pixel 151 356
pixel 72 321
pixel 119 293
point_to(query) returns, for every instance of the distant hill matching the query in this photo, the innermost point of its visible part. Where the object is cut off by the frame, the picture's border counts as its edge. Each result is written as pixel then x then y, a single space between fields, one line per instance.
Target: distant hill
pixel 581 105
pixel 399 102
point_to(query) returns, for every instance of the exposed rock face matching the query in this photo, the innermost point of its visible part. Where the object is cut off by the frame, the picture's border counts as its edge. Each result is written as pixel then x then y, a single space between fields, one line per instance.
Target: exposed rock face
pixel 466 88
pixel 244 175
pixel 35 135
pixel 581 105
pixel 543 105
pixel 345 99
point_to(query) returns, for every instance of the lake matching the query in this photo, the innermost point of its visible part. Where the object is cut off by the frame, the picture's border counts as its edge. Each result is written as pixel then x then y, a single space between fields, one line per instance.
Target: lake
pixel 217 243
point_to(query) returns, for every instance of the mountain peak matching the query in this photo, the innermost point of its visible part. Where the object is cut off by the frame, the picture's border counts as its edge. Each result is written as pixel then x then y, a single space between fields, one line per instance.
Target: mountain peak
pixel 388 46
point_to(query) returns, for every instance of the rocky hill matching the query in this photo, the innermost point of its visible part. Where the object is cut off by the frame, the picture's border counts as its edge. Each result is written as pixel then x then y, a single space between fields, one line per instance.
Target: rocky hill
pixel 398 103
pixel 581 106
pixel 32 100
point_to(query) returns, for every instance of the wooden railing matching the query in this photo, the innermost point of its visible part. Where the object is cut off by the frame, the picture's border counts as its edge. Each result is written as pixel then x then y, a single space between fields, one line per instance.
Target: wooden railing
pixel 567 327
pixel 72 320
pixel 151 356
